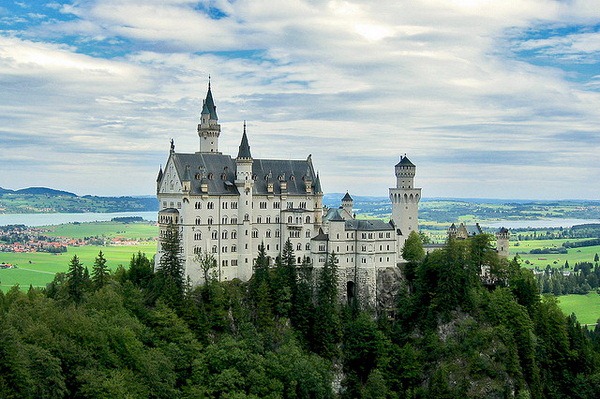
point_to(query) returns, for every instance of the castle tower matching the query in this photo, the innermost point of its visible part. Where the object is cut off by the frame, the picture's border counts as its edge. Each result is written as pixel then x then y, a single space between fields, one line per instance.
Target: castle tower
pixel 502 242
pixel 347 204
pixel 209 129
pixel 244 184
pixel 405 201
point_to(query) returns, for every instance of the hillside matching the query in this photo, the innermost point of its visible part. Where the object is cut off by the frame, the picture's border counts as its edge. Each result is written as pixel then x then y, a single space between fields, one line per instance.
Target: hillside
pixel 47 200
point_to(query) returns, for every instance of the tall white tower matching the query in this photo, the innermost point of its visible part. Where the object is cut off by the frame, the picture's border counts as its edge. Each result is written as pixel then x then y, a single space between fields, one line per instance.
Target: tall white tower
pixel 244 184
pixel 209 129
pixel 405 201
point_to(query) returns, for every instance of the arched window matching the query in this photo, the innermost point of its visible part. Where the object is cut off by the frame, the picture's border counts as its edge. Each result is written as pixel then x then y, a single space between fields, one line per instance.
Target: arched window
pixel 224 234
pixel 197 236
pixel 246 217
pixel 307 247
pixel 215 234
pixel 224 220
pixel 290 219
pixel 214 249
pixel 210 221
pixel 198 221
pixel 299 247
pixel 254 233
pixel 268 234
pixel 233 234
pixel 308 219
pixel 258 219
pixel 276 233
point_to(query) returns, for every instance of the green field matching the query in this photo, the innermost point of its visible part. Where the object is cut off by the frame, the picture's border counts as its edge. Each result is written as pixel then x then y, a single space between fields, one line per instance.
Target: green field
pixel 585 307
pixel 38 268
pixel 138 231
pixel 573 255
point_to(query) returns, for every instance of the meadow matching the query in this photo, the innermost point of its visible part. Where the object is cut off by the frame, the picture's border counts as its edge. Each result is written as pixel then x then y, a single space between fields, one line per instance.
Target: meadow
pixel 38 268
pixel 585 307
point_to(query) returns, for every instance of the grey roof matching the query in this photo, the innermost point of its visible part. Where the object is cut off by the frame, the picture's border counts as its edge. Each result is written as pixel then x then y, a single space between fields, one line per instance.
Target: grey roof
pixel 321 236
pixel 368 225
pixel 474 230
pixel 347 197
pixel 220 172
pixel 244 150
pixel 160 175
pixel 169 210
pixel 186 174
pixel 209 105
pixel 333 214
pixel 317 185
pixel 404 161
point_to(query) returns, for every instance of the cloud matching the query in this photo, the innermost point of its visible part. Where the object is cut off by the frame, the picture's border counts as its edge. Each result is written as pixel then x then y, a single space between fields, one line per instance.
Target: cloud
pixel 108 83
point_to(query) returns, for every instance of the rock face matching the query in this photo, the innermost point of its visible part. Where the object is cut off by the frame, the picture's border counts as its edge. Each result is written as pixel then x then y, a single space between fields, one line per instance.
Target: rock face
pixel 388 285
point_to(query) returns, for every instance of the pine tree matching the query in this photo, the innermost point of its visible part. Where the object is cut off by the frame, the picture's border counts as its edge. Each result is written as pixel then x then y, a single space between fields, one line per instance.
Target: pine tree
pixel 100 272
pixel 284 281
pixel 260 291
pixel 140 270
pixel 303 308
pixel 327 324
pixel 171 272
pixel 208 264
pixel 75 280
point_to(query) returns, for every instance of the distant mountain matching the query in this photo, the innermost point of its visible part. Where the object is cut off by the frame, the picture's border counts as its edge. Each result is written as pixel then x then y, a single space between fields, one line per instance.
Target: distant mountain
pixel 44 191
pixel 5 191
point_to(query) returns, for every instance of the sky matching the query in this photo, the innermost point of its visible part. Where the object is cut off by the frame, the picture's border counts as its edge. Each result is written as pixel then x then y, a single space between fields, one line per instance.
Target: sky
pixel 490 99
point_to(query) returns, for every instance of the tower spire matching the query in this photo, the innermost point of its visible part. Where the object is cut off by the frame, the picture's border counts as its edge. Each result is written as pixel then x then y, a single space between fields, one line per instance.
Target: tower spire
pixel 244 149
pixel 209 129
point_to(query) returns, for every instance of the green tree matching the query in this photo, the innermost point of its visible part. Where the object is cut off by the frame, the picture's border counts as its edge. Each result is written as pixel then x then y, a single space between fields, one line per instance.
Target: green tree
pixel 413 253
pixel 284 281
pixel 327 325
pixel 76 281
pixel 171 280
pixel 100 272
pixel 140 270
pixel 208 265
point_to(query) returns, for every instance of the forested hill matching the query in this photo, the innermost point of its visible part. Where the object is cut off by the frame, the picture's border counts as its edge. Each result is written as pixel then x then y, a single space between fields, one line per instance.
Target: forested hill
pixel 137 333
pixel 47 200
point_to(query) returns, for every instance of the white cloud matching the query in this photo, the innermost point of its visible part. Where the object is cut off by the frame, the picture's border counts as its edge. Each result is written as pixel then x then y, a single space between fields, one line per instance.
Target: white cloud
pixel 432 79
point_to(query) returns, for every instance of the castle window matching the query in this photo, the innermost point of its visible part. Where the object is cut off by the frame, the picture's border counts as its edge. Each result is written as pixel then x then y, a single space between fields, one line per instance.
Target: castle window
pixel 224 220
pixel 254 177
pixel 276 233
pixel 387 235
pixel 321 247
pixel 258 219
pixel 198 205
pixel 215 234
pixel 276 219
pixel 388 247
pixel 299 247
pixel 276 205
pixel 233 248
pixel 224 235
pixel 254 233
pixel 224 205
pixel 215 249
pixel 303 204
pixel 223 176
pixel 198 221
pixel 338 236
pixel 197 236
pixel 370 236
pixel 234 205
pixel 210 221
pixel 263 205
pixel 210 205
pixel 268 234
pixel 380 235
pixel 364 236
pixel 308 219
pixel 210 176
pixel 197 250
pixel 178 205
pixel 307 246
pixel 234 262
pixel 246 217
pixel 233 234
pixel 224 263
pixel 290 219
pixel 224 249
pixel 268 219
pixel 290 204
pixel 364 248
pixel 307 233
pixel 233 220
pixel 164 204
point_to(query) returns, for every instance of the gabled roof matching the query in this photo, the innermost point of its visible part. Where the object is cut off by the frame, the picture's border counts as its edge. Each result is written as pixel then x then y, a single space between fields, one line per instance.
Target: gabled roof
pixel 220 172
pixel 321 236
pixel 347 198
pixel 368 225
pixel 209 105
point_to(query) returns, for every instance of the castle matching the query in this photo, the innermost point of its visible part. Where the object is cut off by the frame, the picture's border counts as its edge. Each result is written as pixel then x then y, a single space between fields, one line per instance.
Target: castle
pixel 229 206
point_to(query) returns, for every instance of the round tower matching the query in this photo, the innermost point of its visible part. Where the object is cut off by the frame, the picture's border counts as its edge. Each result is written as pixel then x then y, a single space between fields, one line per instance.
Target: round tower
pixel 209 129
pixel 244 184
pixel 405 201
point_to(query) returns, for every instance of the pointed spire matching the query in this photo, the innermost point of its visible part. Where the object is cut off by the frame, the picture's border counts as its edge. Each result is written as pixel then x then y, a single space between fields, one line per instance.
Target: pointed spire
pixel 347 198
pixel 244 150
pixel 318 185
pixel 208 105
pixel 160 174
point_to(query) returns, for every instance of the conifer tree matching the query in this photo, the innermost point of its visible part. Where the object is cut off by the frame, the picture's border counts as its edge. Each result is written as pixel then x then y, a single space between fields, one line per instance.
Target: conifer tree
pixel 140 270
pixel 76 280
pixel 100 272
pixel 327 332
pixel 284 282
pixel 171 272
pixel 303 309
pixel 260 291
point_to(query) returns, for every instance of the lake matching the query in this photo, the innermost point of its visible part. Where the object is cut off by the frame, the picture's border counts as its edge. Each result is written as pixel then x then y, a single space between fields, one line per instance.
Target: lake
pixel 47 219
pixel 521 224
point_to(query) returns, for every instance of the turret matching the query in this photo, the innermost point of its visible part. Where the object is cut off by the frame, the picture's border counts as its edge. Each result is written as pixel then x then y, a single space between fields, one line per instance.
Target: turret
pixel 405 201
pixel 209 129
pixel 502 242
pixel 405 173
pixel 347 205
pixel 244 183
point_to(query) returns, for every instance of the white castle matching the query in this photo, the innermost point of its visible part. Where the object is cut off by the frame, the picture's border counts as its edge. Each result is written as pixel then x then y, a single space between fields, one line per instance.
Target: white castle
pixel 230 206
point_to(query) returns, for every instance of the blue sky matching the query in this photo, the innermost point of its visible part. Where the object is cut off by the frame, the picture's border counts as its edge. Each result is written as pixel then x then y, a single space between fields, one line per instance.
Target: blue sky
pixel 489 99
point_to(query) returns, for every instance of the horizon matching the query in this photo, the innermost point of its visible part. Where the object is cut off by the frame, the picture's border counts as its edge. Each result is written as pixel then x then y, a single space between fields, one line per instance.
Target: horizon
pixel 487 99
